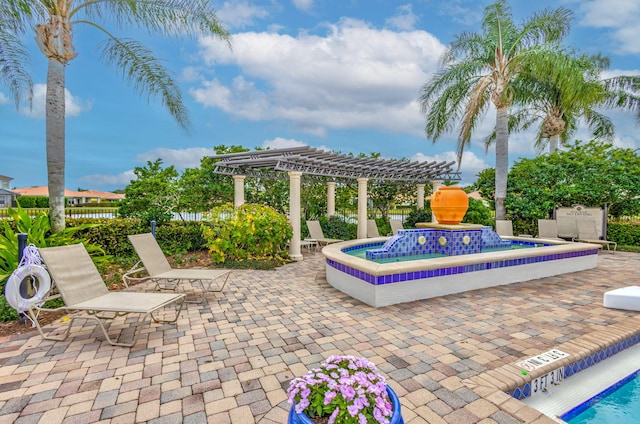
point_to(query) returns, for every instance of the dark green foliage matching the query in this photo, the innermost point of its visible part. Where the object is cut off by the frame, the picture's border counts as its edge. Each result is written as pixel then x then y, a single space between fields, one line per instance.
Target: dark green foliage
pixel 338 228
pixel 478 213
pixel 33 202
pixel 384 227
pixel 418 215
pixel 624 233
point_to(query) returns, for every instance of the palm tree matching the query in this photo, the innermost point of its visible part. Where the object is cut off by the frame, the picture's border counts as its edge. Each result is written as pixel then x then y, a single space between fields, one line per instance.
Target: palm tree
pixel 479 69
pixel 557 91
pixel 13 55
pixel 54 21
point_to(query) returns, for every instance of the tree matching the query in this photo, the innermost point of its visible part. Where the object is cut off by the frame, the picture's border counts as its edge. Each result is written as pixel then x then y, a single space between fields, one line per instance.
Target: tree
pixel 594 174
pixel 201 189
pixel 479 69
pixel 153 195
pixel 13 55
pixel 556 91
pixel 54 21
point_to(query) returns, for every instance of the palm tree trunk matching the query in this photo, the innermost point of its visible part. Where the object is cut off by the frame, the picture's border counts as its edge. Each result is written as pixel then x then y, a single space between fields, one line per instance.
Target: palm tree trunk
pixel 55 110
pixel 502 160
pixel 554 143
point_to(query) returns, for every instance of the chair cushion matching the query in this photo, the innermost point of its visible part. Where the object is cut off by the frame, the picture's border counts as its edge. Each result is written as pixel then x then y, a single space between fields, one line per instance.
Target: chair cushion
pixel 623 298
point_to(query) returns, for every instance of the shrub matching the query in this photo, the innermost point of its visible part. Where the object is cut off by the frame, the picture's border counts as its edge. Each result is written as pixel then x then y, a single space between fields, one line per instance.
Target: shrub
pixel 248 232
pixel 417 215
pixel 337 227
pixel 478 213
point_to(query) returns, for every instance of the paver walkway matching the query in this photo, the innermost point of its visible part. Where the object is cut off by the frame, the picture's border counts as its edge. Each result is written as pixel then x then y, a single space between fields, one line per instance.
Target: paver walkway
pixel 230 361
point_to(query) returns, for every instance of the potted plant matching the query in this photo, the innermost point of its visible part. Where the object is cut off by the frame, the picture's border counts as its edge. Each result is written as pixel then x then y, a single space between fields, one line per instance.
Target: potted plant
pixel 344 390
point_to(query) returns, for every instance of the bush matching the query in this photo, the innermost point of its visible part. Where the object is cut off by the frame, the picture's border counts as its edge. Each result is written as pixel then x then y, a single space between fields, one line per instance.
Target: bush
pixel 624 233
pixel 418 215
pixel 248 232
pixel 337 227
pixel 478 213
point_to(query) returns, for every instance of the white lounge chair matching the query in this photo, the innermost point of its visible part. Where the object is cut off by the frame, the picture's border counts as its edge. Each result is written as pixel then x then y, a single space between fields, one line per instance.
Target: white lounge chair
pixel 81 287
pixel 159 270
pixel 504 228
pixel 315 233
pixel 396 225
pixel 588 233
pixel 548 229
pixel 372 228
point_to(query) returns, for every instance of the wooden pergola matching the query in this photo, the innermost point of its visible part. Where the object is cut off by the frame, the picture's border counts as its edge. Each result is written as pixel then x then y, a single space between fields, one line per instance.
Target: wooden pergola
pixel 331 167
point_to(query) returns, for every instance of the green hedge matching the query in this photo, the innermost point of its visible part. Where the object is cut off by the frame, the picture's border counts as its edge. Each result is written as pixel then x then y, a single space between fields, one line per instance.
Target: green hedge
pixel 624 233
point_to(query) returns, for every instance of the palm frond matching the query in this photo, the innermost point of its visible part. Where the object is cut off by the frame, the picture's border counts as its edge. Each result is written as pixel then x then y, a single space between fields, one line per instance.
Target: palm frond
pixel 167 17
pixel 146 74
pixel 13 72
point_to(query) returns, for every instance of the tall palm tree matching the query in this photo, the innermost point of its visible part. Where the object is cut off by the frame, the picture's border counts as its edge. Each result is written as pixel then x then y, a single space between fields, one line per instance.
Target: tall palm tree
pixel 479 69
pixel 556 92
pixel 54 21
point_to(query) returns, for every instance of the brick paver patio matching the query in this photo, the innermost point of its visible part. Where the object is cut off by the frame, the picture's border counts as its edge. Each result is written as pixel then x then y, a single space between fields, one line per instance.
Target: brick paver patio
pixel 230 361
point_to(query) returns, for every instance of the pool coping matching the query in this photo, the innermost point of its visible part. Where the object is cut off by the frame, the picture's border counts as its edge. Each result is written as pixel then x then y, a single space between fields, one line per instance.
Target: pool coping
pixel 497 385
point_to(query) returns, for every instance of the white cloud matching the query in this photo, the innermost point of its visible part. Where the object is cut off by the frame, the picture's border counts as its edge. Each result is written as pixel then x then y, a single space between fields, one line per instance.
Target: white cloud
pixel 621 16
pixel 282 143
pixel 3 99
pixel 470 166
pixel 104 180
pixel 304 5
pixel 240 14
pixel 354 76
pixel 180 158
pixel 405 19
pixel 73 105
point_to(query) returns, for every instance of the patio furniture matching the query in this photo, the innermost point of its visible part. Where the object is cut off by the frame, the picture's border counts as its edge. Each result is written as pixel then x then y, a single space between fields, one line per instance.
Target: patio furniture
pixel 315 231
pixel 588 233
pixel 504 228
pixel 548 229
pixel 81 287
pixel 372 228
pixel 155 263
pixel 396 225
pixel 627 298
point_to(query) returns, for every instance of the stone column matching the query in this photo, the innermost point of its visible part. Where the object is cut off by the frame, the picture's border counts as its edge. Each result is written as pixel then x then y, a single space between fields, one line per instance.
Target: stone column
pixel 436 185
pixel 294 215
pixel 238 190
pixel 420 188
pixel 331 198
pixel 362 207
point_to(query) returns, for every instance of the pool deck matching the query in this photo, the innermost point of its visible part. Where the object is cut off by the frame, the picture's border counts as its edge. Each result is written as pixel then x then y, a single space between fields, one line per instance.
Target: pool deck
pixel 230 361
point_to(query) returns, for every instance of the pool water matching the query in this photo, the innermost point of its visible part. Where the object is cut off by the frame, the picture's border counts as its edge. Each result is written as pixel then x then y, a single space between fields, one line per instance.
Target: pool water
pixel 619 404
pixel 362 253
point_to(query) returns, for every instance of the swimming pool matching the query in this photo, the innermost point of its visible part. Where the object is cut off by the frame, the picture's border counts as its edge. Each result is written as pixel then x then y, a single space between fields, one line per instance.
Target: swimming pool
pixel 619 404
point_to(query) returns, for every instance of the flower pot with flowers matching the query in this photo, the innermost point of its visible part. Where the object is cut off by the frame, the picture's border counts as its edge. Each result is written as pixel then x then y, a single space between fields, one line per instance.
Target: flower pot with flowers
pixel 344 390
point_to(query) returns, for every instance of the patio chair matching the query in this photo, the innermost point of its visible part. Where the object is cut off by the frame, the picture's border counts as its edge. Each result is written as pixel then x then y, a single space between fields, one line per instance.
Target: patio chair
pixel 158 269
pixel 504 228
pixel 396 225
pixel 315 232
pixel 372 228
pixel 548 229
pixel 81 287
pixel 588 233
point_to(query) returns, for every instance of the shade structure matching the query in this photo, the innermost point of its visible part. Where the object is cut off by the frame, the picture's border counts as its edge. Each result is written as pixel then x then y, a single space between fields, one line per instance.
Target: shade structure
pixel 310 161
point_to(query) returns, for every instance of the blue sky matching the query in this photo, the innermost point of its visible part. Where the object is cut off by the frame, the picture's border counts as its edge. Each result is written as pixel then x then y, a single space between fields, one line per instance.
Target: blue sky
pixel 341 75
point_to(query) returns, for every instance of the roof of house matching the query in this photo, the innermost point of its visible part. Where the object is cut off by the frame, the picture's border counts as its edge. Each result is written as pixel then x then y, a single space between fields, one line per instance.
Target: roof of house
pixel 4 177
pixel 44 192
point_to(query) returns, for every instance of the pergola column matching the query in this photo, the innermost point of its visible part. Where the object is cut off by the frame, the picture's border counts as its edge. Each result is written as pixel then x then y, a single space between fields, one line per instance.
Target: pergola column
pixel 420 188
pixel 362 207
pixel 294 214
pixel 331 198
pixel 238 190
pixel 436 184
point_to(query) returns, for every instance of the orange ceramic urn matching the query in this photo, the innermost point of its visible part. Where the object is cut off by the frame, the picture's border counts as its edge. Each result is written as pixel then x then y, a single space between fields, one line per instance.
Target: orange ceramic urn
pixel 449 205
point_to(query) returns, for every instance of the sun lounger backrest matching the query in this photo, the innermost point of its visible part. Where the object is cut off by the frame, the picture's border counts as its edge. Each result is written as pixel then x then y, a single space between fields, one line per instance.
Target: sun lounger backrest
pixel 547 228
pixel 150 253
pixel 74 273
pixel 372 228
pixel 504 228
pixel 315 230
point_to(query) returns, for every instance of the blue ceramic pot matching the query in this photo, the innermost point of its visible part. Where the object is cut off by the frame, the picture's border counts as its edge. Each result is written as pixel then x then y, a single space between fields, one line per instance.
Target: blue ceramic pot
pixel 396 417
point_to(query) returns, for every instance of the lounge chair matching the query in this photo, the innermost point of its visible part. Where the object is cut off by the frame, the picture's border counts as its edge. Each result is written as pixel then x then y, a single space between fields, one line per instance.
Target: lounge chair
pixel 81 287
pixel 504 228
pixel 396 225
pixel 588 233
pixel 315 233
pixel 166 278
pixel 548 229
pixel 372 228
